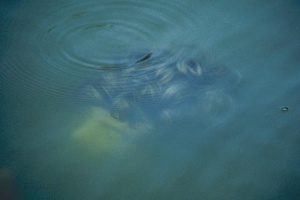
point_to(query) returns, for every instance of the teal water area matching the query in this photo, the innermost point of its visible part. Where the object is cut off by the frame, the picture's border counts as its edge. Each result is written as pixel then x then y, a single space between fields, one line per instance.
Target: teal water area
pixel 134 99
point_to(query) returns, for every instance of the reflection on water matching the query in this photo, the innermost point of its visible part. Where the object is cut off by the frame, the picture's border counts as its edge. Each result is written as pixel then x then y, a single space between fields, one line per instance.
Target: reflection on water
pixel 136 99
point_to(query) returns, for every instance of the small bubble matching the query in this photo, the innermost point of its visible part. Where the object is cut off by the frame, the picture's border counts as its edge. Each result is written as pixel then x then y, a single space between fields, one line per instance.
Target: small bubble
pixel 284 109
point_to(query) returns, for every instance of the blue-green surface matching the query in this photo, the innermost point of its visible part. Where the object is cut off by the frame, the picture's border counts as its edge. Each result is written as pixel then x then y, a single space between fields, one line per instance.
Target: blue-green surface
pixel 59 87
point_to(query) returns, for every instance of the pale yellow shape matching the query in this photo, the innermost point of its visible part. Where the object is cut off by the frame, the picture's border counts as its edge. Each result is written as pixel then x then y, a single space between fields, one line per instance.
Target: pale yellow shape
pixel 101 133
pixel 5 174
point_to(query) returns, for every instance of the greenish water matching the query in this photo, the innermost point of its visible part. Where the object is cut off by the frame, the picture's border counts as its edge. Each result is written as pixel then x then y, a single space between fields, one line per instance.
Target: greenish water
pixel 60 141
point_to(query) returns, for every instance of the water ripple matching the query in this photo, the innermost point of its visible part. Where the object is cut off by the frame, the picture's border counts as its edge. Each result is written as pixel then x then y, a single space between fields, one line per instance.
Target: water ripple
pixel 66 45
pixel 93 36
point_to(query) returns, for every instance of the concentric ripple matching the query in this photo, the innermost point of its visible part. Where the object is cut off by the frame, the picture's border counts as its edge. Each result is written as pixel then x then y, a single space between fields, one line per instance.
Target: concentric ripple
pixel 55 49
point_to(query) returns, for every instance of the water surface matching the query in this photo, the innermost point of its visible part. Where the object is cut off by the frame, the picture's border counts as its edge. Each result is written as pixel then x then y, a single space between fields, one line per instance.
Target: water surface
pixel 58 141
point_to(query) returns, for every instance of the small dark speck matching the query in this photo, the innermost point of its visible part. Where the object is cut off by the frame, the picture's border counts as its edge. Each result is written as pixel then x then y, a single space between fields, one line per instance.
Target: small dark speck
pixel 97 26
pixel 77 15
pixel 144 58
pixel 50 29
pixel 284 109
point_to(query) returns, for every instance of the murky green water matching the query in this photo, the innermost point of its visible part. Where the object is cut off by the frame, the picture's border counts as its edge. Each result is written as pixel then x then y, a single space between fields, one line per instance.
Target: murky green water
pixel 150 100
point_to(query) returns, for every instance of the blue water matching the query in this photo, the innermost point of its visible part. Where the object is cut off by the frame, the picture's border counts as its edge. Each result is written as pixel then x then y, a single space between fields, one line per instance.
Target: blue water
pixel 73 73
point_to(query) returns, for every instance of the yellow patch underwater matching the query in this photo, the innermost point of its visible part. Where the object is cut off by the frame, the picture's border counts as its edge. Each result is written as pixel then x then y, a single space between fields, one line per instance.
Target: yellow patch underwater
pixel 101 133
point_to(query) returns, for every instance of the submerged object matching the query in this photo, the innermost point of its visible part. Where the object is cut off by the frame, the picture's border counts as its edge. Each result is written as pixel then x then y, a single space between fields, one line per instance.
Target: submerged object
pixel 151 85
pixel 8 190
